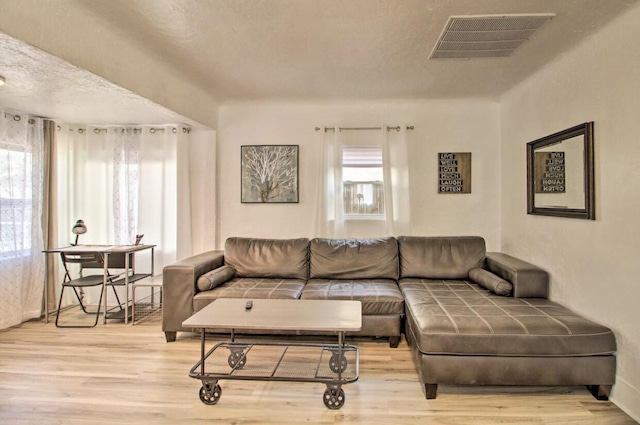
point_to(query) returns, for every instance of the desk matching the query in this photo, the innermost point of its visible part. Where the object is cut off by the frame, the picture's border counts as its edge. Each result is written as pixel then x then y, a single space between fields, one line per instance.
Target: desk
pixel 128 252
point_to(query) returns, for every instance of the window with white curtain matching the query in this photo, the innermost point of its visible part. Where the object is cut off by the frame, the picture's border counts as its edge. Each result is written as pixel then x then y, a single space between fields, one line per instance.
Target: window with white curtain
pixel 21 240
pixel 123 181
pixel 363 182
pixel 15 200
pixel 126 181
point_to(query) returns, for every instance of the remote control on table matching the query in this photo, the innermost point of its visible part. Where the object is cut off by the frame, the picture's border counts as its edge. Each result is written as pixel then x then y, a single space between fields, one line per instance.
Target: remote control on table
pixel 248 305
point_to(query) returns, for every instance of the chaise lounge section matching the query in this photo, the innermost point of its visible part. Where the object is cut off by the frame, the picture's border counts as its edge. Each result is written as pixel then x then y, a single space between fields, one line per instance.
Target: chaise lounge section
pixel 462 333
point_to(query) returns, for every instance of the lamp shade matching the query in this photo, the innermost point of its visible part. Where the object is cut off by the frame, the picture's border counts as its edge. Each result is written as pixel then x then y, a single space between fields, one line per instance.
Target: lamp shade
pixel 78 229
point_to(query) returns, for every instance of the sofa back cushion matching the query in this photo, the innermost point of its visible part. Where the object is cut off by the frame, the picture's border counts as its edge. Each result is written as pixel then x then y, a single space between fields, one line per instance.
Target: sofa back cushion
pixel 268 258
pixel 440 257
pixel 354 258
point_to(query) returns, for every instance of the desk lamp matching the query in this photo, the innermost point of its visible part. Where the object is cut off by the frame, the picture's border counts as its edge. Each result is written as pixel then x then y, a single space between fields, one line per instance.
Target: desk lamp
pixel 79 228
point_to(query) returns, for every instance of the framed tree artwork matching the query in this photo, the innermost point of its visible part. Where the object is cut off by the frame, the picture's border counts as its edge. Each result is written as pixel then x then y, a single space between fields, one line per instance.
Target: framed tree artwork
pixel 269 174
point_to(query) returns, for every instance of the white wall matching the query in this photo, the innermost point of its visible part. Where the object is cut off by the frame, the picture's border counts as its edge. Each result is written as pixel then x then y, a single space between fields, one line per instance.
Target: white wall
pixel 203 185
pixel 440 126
pixel 594 265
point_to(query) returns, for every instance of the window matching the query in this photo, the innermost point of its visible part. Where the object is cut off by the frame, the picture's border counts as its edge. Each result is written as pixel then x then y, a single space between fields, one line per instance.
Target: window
pixel 126 185
pixel 22 266
pixel 363 182
pixel 15 201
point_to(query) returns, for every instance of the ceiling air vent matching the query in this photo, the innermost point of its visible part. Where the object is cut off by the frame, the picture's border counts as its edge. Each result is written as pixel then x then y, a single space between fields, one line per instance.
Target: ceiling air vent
pixel 486 36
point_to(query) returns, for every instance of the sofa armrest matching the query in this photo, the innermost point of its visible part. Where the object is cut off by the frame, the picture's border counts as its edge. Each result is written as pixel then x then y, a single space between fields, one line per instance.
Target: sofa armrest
pixel 528 281
pixel 179 287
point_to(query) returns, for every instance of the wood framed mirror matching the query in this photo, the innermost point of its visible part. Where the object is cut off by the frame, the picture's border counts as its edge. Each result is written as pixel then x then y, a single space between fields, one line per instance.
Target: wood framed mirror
pixel 560 174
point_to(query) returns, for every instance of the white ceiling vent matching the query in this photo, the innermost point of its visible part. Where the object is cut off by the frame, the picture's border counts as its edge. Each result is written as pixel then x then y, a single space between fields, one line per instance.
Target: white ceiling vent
pixel 487 36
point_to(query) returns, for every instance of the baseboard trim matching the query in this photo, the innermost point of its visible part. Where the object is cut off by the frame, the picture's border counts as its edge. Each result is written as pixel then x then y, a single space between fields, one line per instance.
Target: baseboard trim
pixel 626 396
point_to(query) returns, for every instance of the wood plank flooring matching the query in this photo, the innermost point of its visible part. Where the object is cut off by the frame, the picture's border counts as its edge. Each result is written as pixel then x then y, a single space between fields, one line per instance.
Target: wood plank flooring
pixel 126 374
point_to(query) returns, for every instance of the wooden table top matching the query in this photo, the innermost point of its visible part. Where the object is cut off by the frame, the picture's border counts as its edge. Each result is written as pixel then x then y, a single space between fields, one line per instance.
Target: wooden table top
pixel 81 249
pixel 279 314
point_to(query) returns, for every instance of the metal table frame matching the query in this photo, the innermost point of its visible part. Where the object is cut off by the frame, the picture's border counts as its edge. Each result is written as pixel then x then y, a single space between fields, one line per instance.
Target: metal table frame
pixel 126 280
pixel 331 364
pixel 338 363
pixel 152 308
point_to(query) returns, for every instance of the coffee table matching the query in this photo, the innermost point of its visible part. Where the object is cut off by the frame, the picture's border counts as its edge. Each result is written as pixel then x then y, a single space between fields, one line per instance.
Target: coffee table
pixel 331 364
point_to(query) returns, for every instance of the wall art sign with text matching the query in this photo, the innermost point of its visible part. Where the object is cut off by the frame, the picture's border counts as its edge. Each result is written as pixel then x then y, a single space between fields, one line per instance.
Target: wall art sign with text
pixel 454 172
pixel 550 170
pixel 269 174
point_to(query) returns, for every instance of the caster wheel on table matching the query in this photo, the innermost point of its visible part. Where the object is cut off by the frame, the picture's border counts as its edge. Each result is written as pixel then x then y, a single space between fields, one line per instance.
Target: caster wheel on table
pixel 210 394
pixel 237 360
pixel 337 363
pixel 333 398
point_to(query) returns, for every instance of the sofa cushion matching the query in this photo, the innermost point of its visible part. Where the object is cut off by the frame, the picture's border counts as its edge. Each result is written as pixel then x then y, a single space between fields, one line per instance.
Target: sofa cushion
pixel 378 296
pixel 440 257
pixel 215 278
pixel 268 258
pixel 253 288
pixel 490 281
pixel 459 317
pixel 354 258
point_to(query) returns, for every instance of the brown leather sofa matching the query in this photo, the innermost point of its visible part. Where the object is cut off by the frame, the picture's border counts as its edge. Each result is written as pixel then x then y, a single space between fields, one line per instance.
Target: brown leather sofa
pixel 472 318
pixel 364 270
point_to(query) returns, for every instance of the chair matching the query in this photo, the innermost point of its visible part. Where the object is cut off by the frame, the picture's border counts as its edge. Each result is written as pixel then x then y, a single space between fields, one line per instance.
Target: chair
pixel 86 260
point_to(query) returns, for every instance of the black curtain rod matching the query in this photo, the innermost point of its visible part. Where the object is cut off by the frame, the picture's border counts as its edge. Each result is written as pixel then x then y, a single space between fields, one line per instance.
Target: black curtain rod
pixel 389 128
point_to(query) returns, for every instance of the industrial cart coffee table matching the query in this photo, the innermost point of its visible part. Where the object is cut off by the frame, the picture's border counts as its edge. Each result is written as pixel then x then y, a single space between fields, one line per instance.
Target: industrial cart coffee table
pixel 331 364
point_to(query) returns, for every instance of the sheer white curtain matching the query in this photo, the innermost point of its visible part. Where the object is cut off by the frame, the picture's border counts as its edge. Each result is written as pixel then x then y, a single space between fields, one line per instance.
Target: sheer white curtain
pixel 21 242
pixel 395 153
pixel 92 185
pixel 124 181
pixel 330 218
pixel 164 193
pixel 330 212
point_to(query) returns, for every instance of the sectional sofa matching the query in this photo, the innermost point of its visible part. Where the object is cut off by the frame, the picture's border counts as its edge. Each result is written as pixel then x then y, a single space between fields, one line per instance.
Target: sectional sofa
pixel 470 317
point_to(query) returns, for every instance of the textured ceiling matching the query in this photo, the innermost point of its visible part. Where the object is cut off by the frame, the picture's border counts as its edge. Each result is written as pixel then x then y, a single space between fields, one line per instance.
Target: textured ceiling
pixel 257 50
pixel 41 84
pixel 354 49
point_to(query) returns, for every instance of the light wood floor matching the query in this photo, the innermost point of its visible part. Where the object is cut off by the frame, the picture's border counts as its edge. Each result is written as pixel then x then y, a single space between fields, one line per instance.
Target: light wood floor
pixel 129 375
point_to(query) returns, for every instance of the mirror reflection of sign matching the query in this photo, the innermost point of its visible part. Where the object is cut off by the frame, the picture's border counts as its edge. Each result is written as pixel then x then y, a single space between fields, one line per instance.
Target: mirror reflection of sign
pixel 454 172
pixel 550 172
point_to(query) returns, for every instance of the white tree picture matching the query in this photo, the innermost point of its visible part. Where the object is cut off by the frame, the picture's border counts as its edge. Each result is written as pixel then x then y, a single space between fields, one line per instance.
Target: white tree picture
pixel 270 173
